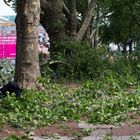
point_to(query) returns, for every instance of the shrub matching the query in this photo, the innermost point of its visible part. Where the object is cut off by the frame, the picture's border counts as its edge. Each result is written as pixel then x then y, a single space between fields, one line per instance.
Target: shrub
pixel 82 61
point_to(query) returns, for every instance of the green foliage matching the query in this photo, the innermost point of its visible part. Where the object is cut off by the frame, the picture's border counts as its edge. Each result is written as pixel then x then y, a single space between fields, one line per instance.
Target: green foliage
pixel 111 90
pixel 98 102
pixel 82 61
pixel 47 72
pixel 122 23
pixel 14 137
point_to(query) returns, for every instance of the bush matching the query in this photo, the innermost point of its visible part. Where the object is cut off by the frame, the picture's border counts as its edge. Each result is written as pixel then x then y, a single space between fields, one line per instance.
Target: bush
pixel 80 61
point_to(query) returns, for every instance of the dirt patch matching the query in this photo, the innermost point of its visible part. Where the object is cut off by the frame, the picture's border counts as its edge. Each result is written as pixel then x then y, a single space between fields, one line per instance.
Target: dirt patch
pixel 7 130
pixel 63 129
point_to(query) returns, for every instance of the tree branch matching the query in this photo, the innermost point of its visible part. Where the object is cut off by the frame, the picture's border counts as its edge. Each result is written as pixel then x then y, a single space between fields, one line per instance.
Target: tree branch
pixel 65 7
pixel 86 21
pixel 7 2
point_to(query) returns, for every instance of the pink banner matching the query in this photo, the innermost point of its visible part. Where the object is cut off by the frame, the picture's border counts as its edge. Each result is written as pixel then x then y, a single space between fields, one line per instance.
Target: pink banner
pixel 7 47
pixel 8 42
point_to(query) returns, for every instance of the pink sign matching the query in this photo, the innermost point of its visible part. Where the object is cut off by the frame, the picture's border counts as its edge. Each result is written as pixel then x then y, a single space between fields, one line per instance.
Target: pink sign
pixel 8 47
pixel 8 42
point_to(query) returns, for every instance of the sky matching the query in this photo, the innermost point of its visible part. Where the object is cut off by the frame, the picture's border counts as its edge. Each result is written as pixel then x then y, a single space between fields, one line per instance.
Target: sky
pixel 5 10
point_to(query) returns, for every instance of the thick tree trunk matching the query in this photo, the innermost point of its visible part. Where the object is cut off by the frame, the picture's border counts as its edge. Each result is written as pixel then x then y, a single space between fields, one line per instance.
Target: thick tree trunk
pixel 27 61
pixel 53 19
pixel 54 23
pixel 86 21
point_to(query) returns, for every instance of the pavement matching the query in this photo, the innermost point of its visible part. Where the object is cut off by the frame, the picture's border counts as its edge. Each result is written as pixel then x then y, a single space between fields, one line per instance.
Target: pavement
pixel 92 138
pixel 105 132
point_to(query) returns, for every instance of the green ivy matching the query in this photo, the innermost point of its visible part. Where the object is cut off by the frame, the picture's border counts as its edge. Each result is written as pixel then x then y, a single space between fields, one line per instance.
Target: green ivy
pixel 96 102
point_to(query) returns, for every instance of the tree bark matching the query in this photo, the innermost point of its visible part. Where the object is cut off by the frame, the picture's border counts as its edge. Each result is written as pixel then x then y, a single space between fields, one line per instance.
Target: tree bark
pixel 53 20
pixel 72 19
pixel 27 61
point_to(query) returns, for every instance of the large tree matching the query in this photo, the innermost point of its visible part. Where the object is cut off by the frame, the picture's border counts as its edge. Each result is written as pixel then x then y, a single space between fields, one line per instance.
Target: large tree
pixel 60 18
pixel 27 62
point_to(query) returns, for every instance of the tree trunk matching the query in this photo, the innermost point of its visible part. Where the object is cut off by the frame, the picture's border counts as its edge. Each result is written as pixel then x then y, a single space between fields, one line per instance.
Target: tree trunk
pixel 72 19
pixel 130 48
pixel 86 21
pixel 27 61
pixel 54 23
pixel 124 48
pixel 53 20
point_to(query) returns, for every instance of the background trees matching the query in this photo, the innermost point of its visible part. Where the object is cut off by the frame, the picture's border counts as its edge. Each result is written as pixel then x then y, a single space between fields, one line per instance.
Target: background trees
pixel 60 19
pixel 122 25
pixel 89 20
